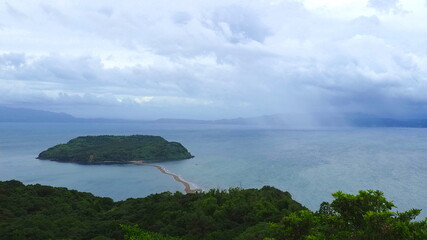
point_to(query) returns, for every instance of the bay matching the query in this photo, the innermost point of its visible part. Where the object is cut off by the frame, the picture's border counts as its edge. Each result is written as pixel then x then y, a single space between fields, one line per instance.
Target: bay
pixel 310 164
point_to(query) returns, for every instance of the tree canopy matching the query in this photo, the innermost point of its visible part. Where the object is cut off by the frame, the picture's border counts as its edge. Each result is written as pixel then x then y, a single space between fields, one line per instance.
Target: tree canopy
pixel 44 212
pixel 106 148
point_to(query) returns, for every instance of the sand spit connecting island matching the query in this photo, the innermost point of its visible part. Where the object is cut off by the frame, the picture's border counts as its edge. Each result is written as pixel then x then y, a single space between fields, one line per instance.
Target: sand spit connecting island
pixel 106 149
pixel 176 177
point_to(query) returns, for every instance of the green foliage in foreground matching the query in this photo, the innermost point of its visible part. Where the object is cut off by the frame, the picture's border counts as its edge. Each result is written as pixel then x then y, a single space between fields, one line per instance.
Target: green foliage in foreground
pixel 135 233
pixel 43 212
pixel 365 216
pixel 93 149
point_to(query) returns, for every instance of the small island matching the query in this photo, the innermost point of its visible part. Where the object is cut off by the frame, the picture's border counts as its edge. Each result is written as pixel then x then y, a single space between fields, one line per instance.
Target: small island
pixel 116 149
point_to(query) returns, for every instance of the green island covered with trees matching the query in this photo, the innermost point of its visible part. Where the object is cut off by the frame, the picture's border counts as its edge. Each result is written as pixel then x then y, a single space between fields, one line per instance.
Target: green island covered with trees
pixel 44 212
pixel 118 149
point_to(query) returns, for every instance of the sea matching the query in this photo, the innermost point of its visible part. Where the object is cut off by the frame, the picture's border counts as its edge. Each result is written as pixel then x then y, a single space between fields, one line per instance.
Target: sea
pixel 311 164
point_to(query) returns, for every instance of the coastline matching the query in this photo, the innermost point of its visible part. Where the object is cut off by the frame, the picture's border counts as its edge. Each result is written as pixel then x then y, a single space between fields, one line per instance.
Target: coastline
pixel 187 185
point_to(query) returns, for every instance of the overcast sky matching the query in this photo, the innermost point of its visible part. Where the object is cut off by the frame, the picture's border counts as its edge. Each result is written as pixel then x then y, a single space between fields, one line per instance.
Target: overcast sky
pixel 214 59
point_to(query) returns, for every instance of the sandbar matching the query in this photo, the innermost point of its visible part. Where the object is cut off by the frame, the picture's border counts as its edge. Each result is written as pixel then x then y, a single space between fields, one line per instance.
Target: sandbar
pixel 187 186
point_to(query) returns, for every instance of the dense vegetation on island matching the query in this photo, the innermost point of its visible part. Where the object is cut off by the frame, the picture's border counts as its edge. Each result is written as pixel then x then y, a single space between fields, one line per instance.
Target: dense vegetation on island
pixel 106 148
pixel 44 212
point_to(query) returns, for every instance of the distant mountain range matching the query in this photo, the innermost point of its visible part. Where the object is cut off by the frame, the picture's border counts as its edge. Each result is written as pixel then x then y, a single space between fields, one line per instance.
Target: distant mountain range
pixel 8 114
pixel 273 121
pixel 29 115
pixel 303 121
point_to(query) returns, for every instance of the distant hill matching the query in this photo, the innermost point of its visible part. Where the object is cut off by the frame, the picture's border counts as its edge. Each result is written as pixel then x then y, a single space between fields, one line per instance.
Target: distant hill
pixel 272 120
pixel 309 121
pixel 362 120
pixel 29 115
pixel 8 114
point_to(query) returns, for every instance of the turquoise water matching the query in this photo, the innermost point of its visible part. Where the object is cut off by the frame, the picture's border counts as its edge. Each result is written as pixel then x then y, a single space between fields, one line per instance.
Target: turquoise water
pixel 310 164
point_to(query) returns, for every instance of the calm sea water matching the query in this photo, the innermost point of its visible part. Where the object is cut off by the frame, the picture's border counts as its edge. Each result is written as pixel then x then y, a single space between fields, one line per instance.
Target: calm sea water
pixel 310 164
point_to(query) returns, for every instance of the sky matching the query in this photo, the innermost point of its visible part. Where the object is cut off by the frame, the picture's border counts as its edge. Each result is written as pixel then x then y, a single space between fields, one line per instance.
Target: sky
pixel 214 59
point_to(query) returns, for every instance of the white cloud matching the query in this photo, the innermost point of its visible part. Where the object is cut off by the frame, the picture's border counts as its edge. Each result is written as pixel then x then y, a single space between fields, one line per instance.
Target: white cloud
pixel 212 59
pixel 384 5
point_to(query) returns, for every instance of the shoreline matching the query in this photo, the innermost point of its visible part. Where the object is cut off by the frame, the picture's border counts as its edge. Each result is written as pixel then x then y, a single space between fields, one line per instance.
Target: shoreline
pixel 187 186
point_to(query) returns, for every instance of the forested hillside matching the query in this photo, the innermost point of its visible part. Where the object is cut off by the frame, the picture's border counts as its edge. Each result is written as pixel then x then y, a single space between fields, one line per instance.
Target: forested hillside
pixel 107 148
pixel 44 212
